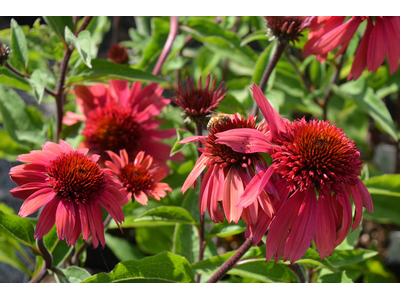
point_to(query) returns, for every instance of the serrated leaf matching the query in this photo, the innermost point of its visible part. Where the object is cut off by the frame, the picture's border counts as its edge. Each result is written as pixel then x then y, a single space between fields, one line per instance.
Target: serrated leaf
pixel 103 70
pixel 18 46
pixel 20 228
pixel 74 274
pixel 385 193
pixel 82 44
pixel 37 85
pixel 164 267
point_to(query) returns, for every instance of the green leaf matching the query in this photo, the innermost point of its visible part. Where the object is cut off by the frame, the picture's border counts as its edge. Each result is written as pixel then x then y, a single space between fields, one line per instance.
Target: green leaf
pixel 341 258
pixel 264 271
pixel 59 249
pixel 339 277
pixel 180 135
pixel 164 267
pixel 9 149
pixel 123 249
pixel 385 193
pixel 18 46
pixel 58 24
pixel 186 242
pixel 255 36
pixel 153 240
pixel 37 85
pixel 10 79
pixel 262 63
pixel 20 228
pixel 312 257
pixel 8 255
pixel 82 44
pixel 103 70
pixel 225 229
pixel 74 274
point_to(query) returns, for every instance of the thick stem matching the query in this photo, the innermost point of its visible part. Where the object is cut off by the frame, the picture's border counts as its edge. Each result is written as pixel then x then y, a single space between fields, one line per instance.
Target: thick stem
pixel 59 95
pixel 298 271
pixel 48 261
pixel 173 30
pixel 270 67
pixel 230 263
pixel 199 132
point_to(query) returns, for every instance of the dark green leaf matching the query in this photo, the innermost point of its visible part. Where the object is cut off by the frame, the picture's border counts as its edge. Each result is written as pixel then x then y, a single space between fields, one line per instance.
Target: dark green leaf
pixel 122 249
pixel 225 229
pixel 10 79
pixel 74 274
pixel 180 135
pixel 103 70
pixel 186 242
pixel 18 46
pixel 20 228
pixel 164 267
pixel 58 24
pixel 59 249
pixel 339 277
pixel 37 85
pixel 342 258
pixel 153 240
pixel 385 193
pixel 312 257
pixel 262 63
pixel 82 44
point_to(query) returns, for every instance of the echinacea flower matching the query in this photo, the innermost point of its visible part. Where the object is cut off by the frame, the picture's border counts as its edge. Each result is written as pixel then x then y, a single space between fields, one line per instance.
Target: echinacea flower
pixel 309 157
pixel 71 188
pixel 118 54
pixel 197 103
pixel 228 173
pixel 140 177
pixel 121 118
pixel 380 40
pixel 287 28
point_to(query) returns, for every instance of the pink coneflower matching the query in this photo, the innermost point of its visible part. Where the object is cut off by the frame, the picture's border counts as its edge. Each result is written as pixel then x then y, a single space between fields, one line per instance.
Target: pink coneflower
pixel 72 188
pixel 380 39
pixel 119 118
pixel 228 173
pixel 197 103
pixel 309 157
pixel 287 28
pixel 118 54
pixel 139 178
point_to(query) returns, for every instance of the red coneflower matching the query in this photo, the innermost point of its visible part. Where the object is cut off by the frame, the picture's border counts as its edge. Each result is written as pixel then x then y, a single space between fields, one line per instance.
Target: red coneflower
pixel 119 118
pixel 139 178
pixel 287 28
pixel 380 39
pixel 228 174
pixel 71 187
pixel 309 157
pixel 197 103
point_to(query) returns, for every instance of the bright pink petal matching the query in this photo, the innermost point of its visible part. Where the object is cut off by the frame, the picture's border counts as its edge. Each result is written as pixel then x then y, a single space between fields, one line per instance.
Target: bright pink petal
pixel 191 139
pixel 344 201
pixel 72 118
pixel 393 51
pixel 233 189
pixel 47 218
pixel 26 190
pixel 65 219
pixel 36 201
pixel 377 46
pixel 141 197
pixel 119 91
pixel 67 147
pixel 365 196
pixel 83 215
pixel 37 157
pixel 197 169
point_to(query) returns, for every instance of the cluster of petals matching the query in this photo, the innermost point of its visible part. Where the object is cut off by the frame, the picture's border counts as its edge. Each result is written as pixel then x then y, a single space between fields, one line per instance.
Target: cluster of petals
pixel 139 178
pixel 71 188
pixel 287 28
pixel 198 102
pixel 119 118
pixel 307 157
pixel 228 173
pixel 380 40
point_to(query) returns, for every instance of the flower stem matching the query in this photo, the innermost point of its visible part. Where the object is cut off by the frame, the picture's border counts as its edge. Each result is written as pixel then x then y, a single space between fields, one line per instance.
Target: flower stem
pixel 230 263
pixel 48 261
pixel 298 271
pixel 270 67
pixel 59 94
pixel 199 132
pixel 173 30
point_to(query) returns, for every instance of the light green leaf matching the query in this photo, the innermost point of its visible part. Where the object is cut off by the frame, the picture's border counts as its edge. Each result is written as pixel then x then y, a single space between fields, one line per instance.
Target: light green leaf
pixel 122 249
pixel 186 242
pixel 255 36
pixel 82 44
pixel 180 135
pixel 225 229
pixel 18 46
pixel 59 249
pixel 74 274
pixel 8 254
pixel 339 277
pixel 10 79
pixel 153 240
pixel 103 70
pixel 164 267
pixel 37 85
pixel 341 258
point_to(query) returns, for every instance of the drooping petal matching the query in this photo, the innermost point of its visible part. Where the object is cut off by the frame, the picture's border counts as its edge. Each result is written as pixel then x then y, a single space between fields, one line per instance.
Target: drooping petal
pixel 377 45
pixel 233 189
pixel 65 220
pixel 26 190
pixel 36 201
pixel 47 218
pixel 197 169
pixel 141 197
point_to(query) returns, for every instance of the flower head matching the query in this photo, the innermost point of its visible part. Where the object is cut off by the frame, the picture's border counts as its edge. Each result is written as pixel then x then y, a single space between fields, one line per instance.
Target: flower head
pixel 121 118
pixel 318 167
pixel 71 188
pixel 287 28
pixel 118 54
pixel 197 103
pixel 139 178
pixel 228 174
pixel 4 52
pixel 379 40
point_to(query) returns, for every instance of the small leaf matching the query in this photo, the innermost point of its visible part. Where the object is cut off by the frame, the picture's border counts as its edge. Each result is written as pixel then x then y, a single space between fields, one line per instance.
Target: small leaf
pixel 103 70
pixel 20 228
pixel 225 229
pixel 180 135
pixel 82 44
pixel 74 274
pixel 37 85
pixel 164 267
pixel 18 46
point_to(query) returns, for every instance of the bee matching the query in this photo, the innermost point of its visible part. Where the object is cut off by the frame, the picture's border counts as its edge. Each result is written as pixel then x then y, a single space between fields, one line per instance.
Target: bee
pixel 216 118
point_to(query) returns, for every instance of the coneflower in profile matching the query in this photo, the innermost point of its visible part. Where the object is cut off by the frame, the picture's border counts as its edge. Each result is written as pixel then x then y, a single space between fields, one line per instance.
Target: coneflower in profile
pixel 139 177
pixel 319 168
pixel 71 188
pixel 287 28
